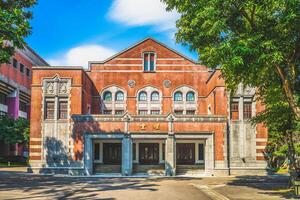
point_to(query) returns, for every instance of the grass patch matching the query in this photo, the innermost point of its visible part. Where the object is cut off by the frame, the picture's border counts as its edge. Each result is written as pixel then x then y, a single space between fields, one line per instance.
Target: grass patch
pixel 13 164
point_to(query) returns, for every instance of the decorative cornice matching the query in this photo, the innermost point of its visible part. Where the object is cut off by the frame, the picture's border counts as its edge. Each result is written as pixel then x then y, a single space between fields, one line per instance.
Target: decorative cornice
pixel 148 118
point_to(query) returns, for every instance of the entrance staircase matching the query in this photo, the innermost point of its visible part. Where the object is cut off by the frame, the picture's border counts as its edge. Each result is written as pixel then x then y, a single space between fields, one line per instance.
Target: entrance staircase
pixel 190 170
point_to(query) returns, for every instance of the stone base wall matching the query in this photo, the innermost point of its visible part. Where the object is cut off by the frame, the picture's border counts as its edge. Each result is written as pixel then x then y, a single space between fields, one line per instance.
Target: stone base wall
pixel 65 171
pixel 103 168
pixel 149 169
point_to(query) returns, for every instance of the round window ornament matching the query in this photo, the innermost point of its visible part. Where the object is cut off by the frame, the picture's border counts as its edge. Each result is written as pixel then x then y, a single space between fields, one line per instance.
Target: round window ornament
pixel 167 83
pixel 131 83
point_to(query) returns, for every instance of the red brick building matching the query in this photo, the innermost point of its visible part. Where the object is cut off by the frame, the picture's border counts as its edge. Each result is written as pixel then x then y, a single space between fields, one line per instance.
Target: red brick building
pixel 147 109
pixel 15 82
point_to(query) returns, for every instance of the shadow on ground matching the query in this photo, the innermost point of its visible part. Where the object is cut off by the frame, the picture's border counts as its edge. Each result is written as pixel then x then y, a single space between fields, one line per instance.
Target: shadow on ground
pixel 277 186
pixel 48 186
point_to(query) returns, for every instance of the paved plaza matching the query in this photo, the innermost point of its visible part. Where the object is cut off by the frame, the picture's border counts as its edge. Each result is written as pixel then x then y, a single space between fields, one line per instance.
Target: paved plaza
pixel 16 184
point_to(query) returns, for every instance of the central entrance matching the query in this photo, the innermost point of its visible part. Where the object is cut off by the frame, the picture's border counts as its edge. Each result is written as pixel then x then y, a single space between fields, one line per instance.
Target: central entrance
pixel 185 153
pixel 112 153
pixel 149 153
pixel 148 156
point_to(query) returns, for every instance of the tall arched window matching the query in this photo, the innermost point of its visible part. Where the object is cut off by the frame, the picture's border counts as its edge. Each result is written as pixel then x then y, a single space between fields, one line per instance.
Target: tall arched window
pixel 143 96
pixel 190 96
pixel 155 96
pixel 119 96
pixel 178 96
pixel 107 96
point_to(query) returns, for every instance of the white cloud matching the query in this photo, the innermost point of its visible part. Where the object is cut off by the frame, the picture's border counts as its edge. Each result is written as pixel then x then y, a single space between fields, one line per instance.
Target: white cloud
pixel 143 12
pixel 79 56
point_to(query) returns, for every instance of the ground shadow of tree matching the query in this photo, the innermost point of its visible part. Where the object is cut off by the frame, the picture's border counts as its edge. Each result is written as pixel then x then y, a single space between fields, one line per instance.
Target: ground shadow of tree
pixel 57 154
pixel 270 185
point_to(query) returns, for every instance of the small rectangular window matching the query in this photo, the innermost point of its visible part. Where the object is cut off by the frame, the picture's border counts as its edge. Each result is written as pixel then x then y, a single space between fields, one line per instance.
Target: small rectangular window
pixel 63 110
pixel 119 112
pixel 163 151
pixel 97 151
pixel 22 68
pixel 133 151
pixel 107 112
pixel 146 63
pixel 49 109
pixel 234 108
pixel 149 62
pixel 152 62
pixel 143 112
pixel 201 152
pixel 178 112
pixel 247 110
pixel 190 112
pixel 3 98
pixel 27 72
pixel 155 112
pixel 15 63
pixel 22 106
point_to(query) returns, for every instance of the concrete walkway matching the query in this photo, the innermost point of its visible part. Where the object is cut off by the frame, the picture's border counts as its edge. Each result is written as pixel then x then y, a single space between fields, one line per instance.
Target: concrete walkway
pixel 16 184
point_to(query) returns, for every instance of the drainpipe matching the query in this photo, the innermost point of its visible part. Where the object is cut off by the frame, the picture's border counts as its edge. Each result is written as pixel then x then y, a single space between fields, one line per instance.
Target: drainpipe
pixel 228 146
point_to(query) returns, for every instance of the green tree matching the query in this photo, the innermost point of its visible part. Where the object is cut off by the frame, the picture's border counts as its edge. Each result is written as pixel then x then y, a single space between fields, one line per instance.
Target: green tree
pixel 283 128
pixel 14 131
pixel 251 41
pixel 14 26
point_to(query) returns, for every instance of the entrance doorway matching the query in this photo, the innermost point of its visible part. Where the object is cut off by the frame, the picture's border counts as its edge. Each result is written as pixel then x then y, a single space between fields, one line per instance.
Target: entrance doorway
pixel 112 153
pixel 107 156
pixel 149 153
pixel 185 153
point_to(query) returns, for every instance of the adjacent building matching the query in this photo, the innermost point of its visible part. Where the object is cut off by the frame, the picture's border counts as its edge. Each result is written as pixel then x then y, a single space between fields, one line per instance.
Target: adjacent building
pixel 15 83
pixel 148 109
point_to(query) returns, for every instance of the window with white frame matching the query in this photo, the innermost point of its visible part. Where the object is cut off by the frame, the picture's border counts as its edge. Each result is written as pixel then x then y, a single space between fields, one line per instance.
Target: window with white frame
pixel 154 96
pixel 190 96
pixel 114 101
pixel 149 99
pixel 178 96
pixel 56 95
pixel 119 96
pixel 107 96
pixel 142 96
pixel 149 61
pixel 185 101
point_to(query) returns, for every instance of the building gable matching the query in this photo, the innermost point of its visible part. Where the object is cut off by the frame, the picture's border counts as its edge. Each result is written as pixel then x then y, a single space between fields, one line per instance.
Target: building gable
pixel 132 57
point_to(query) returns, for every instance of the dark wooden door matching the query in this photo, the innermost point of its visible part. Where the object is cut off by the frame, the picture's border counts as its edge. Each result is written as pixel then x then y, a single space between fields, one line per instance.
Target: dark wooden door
pixel 112 153
pixel 149 153
pixel 185 153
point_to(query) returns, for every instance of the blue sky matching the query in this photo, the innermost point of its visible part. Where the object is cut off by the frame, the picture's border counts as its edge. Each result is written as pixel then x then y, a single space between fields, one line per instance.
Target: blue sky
pixel 69 32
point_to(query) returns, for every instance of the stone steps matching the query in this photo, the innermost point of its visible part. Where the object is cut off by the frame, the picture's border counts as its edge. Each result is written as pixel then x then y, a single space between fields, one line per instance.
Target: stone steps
pixel 190 169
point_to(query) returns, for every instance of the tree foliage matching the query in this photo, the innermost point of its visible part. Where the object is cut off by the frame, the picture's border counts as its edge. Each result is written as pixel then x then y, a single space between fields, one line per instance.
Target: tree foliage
pixel 14 131
pixel 251 41
pixel 14 26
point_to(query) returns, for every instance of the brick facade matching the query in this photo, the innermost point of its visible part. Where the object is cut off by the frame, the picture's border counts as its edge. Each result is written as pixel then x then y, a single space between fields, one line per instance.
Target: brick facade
pixel 93 120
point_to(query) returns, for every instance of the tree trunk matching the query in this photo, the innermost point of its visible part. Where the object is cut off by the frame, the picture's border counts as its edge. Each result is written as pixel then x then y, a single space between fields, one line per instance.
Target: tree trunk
pixel 291 151
pixel 288 92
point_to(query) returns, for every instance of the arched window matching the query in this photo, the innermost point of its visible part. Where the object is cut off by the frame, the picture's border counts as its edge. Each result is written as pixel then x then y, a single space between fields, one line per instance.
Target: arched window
pixel 119 96
pixel 154 96
pixel 143 96
pixel 107 96
pixel 178 96
pixel 190 96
